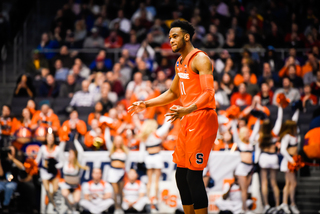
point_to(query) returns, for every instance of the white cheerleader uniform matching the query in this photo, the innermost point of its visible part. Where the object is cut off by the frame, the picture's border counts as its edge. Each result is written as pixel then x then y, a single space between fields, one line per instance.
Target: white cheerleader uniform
pixel 71 174
pixel 44 155
pixel 287 142
pixel 154 161
pixel 116 174
pixel 244 169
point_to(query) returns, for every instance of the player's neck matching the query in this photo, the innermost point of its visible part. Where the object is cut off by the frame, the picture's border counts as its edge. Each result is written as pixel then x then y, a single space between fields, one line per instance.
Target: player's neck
pixel 186 50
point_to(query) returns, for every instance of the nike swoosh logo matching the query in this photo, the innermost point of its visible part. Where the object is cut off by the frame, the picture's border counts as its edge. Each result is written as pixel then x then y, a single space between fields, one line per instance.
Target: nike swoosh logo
pixel 190 130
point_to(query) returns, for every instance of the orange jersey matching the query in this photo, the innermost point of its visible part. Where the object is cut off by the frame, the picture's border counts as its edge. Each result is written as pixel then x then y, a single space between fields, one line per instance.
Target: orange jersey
pixel 6 125
pixel 189 81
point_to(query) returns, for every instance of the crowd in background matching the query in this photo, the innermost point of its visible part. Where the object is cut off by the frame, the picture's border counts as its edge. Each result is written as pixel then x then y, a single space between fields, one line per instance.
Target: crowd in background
pixel 107 82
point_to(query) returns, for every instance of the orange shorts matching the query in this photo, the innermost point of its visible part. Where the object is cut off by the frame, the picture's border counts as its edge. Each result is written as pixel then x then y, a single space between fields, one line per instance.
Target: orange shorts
pixel 197 134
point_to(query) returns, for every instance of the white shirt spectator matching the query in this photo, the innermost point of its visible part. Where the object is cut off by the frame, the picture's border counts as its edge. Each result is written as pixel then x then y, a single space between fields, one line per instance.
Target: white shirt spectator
pixel 81 98
pixel 125 24
pixel 292 94
pixel 222 98
pixel 132 86
pixel 99 188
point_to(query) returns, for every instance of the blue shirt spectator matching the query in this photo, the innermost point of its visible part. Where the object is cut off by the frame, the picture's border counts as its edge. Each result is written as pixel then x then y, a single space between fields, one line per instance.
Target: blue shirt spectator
pixel 47 44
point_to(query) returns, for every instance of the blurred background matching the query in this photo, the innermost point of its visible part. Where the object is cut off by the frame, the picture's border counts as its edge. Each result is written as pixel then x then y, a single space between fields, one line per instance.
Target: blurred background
pixel 75 66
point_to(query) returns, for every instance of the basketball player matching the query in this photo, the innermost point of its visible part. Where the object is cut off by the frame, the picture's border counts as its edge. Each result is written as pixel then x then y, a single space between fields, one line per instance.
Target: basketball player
pixel 193 84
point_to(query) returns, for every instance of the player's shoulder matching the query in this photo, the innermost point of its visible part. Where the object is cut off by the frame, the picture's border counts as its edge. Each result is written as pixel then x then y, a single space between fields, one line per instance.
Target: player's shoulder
pixel 201 57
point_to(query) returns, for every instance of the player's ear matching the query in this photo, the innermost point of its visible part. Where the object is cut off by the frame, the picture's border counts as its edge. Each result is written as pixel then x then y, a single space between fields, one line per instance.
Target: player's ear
pixel 186 37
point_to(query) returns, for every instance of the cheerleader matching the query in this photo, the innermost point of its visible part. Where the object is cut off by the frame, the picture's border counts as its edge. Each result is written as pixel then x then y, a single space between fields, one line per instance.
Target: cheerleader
pixel 245 168
pixel 71 174
pixel 118 156
pixel 150 141
pixel 49 155
pixel 289 148
pixel 268 159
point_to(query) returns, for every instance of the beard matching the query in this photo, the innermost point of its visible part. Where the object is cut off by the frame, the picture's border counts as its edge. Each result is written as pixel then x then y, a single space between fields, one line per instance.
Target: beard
pixel 179 47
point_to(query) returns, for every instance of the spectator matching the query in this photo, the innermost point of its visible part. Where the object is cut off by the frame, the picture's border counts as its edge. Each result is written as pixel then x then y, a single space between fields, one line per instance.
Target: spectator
pixel 46 118
pixel 36 64
pixel 61 72
pixel 133 46
pixel 311 65
pixel 70 41
pixel 115 84
pixel 220 63
pixel 6 121
pixel 97 194
pixel 98 112
pixel 213 30
pixel 75 71
pixel 24 87
pixel 80 32
pixel 137 84
pixel 84 70
pixel 290 61
pixel 268 74
pixel 102 26
pixel 254 19
pixel 291 93
pixel 209 42
pixel 107 62
pixel 310 77
pixel 125 24
pixel 94 87
pixel 294 41
pixel 160 82
pixel 94 139
pixel 272 58
pixel 147 54
pixel 156 36
pixel 100 66
pixel 106 95
pixel 49 88
pixel 220 96
pixel 166 67
pixel 227 85
pixel 315 86
pixel 94 41
pixel 113 41
pixel 25 121
pixel 238 79
pixel 134 193
pixel 74 125
pixel 292 74
pixel 275 37
pixel 83 97
pixel 241 98
pixel 142 12
pixel 252 89
pixel 307 98
pixel 253 46
pixel 266 94
pixel 142 68
pixel 64 56
pixel 8 184
pixel 46 43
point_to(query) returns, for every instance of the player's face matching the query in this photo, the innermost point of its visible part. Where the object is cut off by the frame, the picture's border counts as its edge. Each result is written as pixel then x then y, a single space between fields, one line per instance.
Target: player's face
pixel 177 40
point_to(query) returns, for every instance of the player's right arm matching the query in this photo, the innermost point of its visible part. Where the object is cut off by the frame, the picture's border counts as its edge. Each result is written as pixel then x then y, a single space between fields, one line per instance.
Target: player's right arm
pixel 167 97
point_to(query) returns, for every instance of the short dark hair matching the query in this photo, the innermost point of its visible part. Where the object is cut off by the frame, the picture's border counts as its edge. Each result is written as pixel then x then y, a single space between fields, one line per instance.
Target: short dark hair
pixel 185 26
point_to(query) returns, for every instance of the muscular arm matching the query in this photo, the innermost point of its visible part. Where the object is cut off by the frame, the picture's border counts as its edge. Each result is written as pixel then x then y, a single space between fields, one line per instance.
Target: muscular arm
pixel 203 65
pixel 167 97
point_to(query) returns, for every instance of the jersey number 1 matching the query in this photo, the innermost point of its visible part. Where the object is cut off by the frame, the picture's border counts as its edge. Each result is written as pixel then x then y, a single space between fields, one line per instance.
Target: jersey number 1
pixel 183 91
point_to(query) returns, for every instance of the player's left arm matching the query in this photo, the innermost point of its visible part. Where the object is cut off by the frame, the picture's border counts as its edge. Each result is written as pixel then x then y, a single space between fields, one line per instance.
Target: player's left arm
pixel 203 65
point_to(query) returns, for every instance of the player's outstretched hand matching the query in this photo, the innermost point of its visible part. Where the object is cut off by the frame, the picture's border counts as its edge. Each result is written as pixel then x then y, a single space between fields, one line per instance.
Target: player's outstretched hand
pixel 137 107
pixel 177 112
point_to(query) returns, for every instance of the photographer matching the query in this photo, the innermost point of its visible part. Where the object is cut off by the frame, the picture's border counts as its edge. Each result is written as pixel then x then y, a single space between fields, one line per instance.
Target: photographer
pixel 8 174
pixel 5 126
